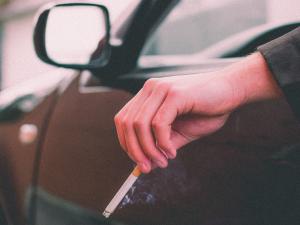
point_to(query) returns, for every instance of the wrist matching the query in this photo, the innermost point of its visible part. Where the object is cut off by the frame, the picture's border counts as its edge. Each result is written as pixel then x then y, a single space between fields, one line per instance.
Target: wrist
pixel 253 80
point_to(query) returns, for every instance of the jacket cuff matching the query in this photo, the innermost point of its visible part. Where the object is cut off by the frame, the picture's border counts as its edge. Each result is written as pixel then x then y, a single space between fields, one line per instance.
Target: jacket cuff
pixel 282 55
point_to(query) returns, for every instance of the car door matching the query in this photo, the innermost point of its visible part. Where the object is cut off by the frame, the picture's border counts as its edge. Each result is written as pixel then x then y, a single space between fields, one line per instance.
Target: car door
pixel 219 179
pixel 221 176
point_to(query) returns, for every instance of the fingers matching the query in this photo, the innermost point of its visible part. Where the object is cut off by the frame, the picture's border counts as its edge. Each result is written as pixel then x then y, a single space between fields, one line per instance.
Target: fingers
pixel 151 126
pixel 119 120
pixel 144 126
pixel 162 124
pixel 126 133
pixel 134 149
pixel 143 130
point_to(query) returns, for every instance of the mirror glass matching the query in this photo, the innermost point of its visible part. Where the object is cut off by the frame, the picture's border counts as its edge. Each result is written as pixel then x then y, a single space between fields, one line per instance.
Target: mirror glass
pixel 73 33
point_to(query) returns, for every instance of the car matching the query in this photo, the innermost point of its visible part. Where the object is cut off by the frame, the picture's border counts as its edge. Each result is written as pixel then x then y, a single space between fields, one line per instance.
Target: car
pixel 61 162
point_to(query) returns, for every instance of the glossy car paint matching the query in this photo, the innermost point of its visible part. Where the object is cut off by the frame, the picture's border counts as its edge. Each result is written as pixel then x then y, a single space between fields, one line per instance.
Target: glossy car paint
pixel 76 165
pixel 82 163
pixel 17 160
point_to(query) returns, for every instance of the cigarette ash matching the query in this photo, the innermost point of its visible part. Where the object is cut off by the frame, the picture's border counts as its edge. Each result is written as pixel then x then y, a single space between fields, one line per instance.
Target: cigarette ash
pixel 161 185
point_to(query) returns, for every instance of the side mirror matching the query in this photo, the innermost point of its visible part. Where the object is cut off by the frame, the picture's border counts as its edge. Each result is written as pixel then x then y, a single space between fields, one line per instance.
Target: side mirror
pixel 73 35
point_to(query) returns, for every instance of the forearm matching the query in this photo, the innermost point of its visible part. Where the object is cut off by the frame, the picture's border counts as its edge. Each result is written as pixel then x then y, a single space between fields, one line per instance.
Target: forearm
pixel 252 80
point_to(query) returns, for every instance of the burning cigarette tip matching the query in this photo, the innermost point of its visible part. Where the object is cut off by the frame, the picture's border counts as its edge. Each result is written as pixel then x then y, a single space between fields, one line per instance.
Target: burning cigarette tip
pixel 106 214
pixel 121 192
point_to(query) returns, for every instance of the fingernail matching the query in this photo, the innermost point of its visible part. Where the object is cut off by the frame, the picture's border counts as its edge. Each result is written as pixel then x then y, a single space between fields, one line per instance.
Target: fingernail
pixel 170 156
pixel 173 154
pixel 161 163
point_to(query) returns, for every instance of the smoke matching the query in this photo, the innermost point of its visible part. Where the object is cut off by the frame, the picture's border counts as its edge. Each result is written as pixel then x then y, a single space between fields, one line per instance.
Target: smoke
pixel 163 185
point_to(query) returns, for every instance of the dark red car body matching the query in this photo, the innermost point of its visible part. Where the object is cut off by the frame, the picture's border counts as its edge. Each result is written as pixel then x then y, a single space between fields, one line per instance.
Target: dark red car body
pixel 75 165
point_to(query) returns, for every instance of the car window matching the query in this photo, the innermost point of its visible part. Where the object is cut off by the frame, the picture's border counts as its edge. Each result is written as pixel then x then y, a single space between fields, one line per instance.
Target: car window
pixel 197 24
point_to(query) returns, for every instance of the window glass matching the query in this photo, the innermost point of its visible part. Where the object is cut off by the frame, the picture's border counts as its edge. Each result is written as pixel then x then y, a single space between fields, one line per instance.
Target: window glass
pixel 197 24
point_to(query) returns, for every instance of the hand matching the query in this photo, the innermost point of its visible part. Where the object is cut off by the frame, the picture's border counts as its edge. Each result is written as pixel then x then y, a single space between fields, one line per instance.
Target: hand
pixel 170 112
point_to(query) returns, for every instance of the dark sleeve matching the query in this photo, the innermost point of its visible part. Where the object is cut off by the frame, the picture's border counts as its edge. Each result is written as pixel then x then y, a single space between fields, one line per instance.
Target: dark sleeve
pixel 283 58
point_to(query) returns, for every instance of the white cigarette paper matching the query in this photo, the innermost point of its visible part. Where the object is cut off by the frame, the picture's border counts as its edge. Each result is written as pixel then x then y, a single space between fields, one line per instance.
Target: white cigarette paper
pixel 121 192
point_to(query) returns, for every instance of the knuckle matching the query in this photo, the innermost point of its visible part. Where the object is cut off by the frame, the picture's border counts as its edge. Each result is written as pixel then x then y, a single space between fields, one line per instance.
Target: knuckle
pixel 157 84
pixel 117 119
pixel 126 124
pixel 120 119
pixel 150 83
pixel 156 124
pixel 163 86
pixel 174 92
pixel 138 124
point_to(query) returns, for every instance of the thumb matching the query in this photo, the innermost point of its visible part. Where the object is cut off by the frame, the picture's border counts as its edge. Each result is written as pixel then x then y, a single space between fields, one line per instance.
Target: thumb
pixel 190 127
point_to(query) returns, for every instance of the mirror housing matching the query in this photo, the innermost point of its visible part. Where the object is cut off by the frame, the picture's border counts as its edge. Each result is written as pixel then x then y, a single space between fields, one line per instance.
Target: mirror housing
pixel 63 38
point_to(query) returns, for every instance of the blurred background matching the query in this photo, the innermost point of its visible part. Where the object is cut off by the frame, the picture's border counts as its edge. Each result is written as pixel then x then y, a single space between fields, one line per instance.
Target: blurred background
pixel 191 27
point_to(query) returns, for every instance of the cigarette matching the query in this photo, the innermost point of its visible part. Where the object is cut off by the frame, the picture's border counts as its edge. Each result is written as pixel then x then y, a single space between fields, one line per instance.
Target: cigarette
pixel 110 208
